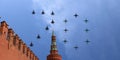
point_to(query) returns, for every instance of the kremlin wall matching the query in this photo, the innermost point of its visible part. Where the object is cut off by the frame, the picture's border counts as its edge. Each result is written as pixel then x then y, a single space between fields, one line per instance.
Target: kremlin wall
pixel 12 47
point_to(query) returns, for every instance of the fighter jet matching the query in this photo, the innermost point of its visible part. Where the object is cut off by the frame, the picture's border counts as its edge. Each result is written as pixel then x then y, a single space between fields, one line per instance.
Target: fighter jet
pixel 31 44
pixel 76 47
pixel 87 41
pixel 65 30
pixel 38 36
pixel 87 30
pixel 65 21
pixel 52 13
pixel 43 12
pixel 65 41
pixel 76 15
pixel 33 12
pixel 47 28
pixel 52 22
pixel 86 20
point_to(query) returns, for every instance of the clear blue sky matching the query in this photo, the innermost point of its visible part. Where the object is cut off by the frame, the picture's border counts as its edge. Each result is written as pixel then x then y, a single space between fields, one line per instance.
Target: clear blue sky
pixel 104 25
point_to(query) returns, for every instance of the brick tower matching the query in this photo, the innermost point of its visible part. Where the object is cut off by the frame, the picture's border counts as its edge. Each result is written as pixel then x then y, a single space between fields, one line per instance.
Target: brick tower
pixel 54 51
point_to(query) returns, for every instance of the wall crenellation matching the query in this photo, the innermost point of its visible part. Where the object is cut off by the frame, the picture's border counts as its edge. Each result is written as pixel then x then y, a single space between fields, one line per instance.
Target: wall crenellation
pixel 13 39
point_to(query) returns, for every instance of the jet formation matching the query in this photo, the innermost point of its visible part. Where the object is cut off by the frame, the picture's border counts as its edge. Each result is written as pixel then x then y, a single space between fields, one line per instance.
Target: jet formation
pixel 65 30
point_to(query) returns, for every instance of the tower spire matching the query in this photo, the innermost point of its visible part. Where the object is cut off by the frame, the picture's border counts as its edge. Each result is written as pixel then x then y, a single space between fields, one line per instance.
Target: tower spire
pixel 53 51
pixel 53 44
pixel 52 32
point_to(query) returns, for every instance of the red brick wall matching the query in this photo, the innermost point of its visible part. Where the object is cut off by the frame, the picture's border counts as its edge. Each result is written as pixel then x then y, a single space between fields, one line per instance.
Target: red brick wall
pixel 12 47
pixel 10 54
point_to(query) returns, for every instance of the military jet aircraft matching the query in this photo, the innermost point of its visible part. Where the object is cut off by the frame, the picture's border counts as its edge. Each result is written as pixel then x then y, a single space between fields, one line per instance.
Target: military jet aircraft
pixel 43 12
pixel 52 13
pixel 38 36
pixel 65 41
pixel 65 30
pixel 87 30
pixel 87 41
pixel 65 21
pixel 52 22
pixel 76 47
pixel 33 12
pixel 47 28
pixel 76 15
pixel 31 44
pixel 86 20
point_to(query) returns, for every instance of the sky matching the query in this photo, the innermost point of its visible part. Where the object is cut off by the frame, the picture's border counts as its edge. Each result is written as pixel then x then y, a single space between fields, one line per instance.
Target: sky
pixel 103 23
